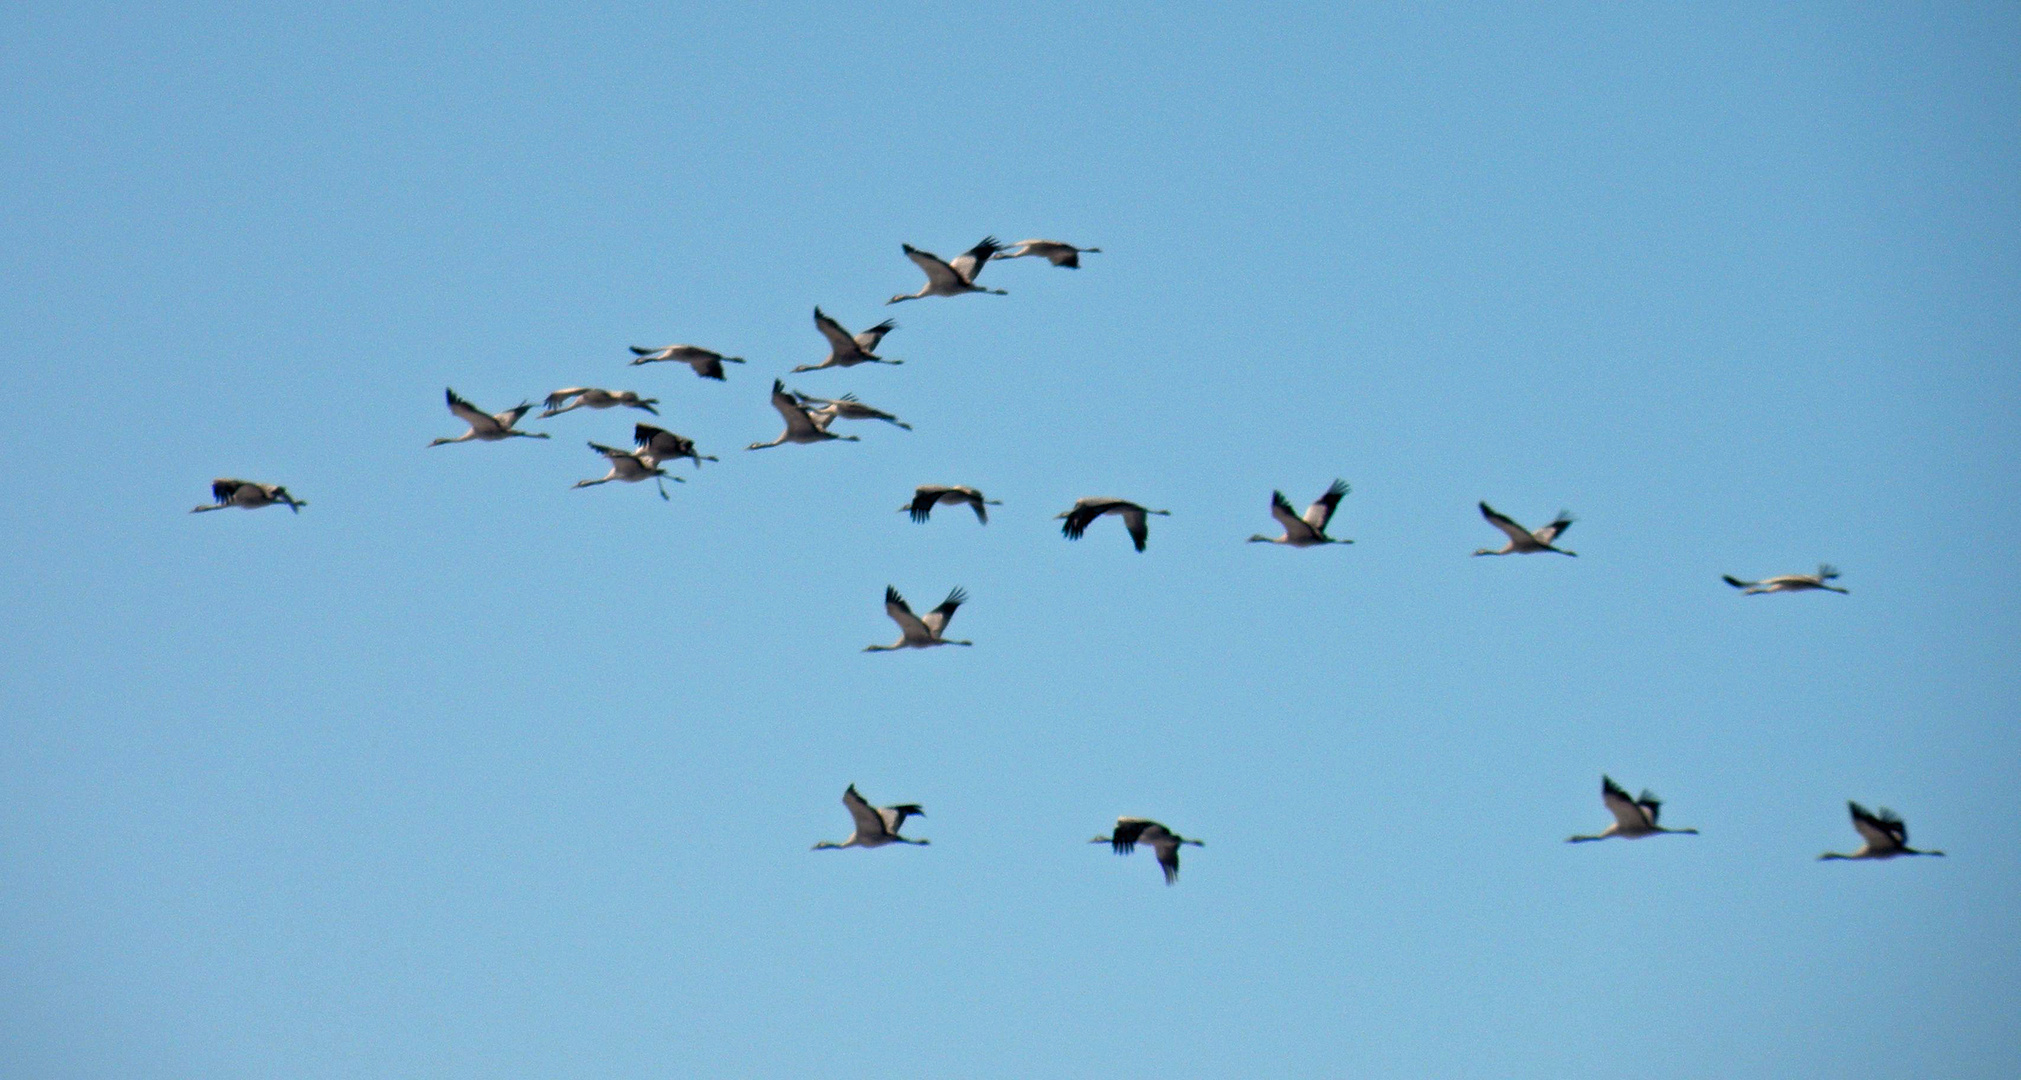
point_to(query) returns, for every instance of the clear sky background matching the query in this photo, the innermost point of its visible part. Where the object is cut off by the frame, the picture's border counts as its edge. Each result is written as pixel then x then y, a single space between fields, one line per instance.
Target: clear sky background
pixel 462 773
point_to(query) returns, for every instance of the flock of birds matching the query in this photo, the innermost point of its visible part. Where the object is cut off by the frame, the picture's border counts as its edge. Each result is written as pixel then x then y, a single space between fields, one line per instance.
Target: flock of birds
pixel 809 419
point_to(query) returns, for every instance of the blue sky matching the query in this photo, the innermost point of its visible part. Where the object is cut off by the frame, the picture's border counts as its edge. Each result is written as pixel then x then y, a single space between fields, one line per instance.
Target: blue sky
pixel 464 773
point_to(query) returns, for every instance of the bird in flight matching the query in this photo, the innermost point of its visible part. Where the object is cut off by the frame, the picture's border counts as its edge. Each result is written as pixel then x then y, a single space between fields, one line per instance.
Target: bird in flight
pixel 1309 530
pixel 1826 572
pixel 801 427
pixel 1052 251
pixel 846 349
pixel 708 363
pixel 1886 835
pixel 660 444
pixel 876 826
pixel 1131 831
pixel 952 277
pixel 247 495
pixel 631 466
pixel 589 397
pixel 1633 818
pixel 919 631
pixel 1085 511
pixel 487 427
pixel 1522 541
pixel 845 407
pixel 926 496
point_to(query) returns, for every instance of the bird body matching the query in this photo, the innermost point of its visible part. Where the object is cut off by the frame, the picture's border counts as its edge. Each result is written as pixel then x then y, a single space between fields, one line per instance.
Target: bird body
pixel 919 631
pixel 1132 831
pixel 708 363
pixel 876 826
pixel 846 349
pixel 487 427
pixel 630 466
pixel 1310 529
pixel 1633 818
pixel 247 495
pixel 1085 511
pixel 926 496
pixel 801 427
pixel 1826 572
pixel 1522 541
pixel 951 277
pixel 1886 835
pixel 659 444
pixel 590 397
pixel 1053 251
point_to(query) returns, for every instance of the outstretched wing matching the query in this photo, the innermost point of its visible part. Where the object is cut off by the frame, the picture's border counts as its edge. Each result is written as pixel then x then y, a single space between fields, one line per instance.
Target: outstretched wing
pixel 969 263
pixel 936 620
pixel 1167 847
pixel 1321 511
pixel 656 441
pixel 1651 806
pixel 1059 254
pixel 939 273
pixel 1625 810
pixel 869 823
pixel 840 344
pixel 1128 831
pixel 1294 526
pixel 923 499
pixel 511 416
pixel 868 340
pixel 1135 520
pixel 797 420
pixel 1826 571
pixel 1556 528
pixel 223 488
pixel 1081 515
pixel 1882 831
pixel 1505 523
pixel 1737 583
pixel 477 418
pixel 912 626
pixel 894 816
pixel 975 502
pixel 561 397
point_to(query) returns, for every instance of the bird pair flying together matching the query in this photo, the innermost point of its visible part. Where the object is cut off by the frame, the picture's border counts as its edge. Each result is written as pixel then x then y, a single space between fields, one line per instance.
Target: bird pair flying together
pixel 1886 835
pixel 652 446
pixel 877 826
pixel 808 417
pixel 956 276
